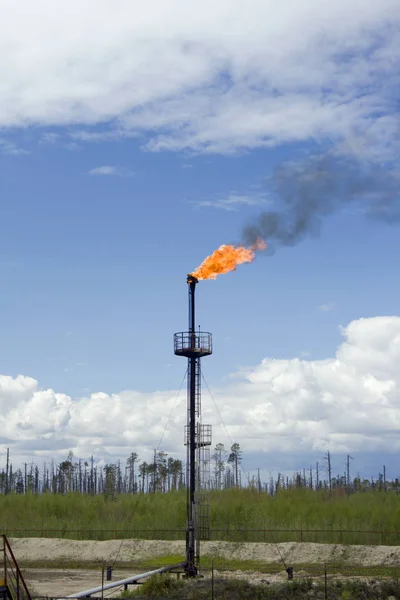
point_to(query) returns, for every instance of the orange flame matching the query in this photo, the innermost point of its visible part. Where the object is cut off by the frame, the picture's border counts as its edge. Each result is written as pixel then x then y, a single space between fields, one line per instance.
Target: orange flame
pixel 226 259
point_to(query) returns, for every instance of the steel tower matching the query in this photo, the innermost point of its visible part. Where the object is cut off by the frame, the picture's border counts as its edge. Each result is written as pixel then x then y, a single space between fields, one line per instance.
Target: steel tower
pixel 194 345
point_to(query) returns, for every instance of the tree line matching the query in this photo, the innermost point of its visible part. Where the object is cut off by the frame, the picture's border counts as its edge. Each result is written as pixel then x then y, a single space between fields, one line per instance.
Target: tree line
pixel 320 477
pixel 162 474
pixel 165 473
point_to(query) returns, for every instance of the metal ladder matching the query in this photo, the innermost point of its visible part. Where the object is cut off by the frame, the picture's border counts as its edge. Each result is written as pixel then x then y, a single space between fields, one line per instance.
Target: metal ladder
pixel 198 387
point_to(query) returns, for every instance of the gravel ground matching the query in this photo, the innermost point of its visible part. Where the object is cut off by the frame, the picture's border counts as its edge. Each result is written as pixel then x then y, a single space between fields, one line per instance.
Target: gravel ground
pixel 55 582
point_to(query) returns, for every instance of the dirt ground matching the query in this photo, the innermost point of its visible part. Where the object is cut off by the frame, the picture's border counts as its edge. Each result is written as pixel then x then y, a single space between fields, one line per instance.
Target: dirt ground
pixel 63 582
pixel 46 549
pixel 55 582
pixel 58 583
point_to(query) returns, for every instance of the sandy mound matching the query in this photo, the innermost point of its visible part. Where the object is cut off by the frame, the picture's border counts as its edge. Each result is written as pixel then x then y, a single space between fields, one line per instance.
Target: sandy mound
pixel 127 551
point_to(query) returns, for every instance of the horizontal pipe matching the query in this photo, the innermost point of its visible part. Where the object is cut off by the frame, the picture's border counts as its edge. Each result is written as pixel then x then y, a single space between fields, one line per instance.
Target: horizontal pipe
pixel 128 580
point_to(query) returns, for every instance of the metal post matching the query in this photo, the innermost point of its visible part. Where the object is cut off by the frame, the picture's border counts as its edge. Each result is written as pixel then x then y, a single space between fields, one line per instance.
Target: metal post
pixel 5 559
pixel 190 543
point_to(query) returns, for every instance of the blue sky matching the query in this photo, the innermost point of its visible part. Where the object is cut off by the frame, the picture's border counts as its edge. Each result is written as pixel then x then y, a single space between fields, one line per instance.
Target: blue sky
pixel 95 268
pixel 111 193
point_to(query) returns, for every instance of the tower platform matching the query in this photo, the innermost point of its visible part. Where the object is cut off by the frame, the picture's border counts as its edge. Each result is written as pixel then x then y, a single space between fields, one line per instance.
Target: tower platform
pixel 193 344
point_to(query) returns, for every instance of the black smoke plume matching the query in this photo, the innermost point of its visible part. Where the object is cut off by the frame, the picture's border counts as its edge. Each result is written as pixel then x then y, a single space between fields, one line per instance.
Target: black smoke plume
pixel 305 192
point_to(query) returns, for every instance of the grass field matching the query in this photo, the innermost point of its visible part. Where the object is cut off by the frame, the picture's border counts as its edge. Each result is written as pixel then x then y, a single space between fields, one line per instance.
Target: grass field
pixel 233 513
pixel 164 587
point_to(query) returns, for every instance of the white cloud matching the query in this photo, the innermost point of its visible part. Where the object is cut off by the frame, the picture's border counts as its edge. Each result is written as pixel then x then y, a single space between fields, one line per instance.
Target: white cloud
pixel 232 202
pixel 348 403
pixel 105 170
pixel 206 76
pixel 326 307
pixel 49 137
pixel 109 170
pixel 10 148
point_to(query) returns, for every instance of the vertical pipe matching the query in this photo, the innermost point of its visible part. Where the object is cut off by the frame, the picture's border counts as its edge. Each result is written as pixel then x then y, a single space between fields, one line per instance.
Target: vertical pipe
pixel 190 541
pixel 192 288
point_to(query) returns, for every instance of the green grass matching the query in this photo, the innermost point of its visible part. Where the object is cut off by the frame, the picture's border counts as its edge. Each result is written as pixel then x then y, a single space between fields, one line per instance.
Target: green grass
pixel 233 514
pixel 167 587
pixel 162 585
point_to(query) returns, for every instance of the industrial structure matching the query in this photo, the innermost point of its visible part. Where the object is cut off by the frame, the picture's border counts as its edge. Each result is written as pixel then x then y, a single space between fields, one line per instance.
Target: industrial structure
pixel 194 345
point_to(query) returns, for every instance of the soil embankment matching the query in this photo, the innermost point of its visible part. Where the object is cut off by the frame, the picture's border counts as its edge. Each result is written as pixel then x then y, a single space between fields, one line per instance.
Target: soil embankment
pixel 51 579
pixel 129 551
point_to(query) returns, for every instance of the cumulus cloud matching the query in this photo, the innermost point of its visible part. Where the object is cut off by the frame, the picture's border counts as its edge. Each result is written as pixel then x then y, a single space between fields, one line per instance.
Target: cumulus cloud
pixel 348 403
pixel 224 76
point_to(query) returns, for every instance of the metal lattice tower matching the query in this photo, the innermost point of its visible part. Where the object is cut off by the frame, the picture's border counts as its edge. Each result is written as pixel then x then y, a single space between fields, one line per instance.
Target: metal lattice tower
pixel 194 345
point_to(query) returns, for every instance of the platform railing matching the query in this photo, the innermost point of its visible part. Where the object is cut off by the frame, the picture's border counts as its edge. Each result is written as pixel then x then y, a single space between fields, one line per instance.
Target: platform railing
pixel 13 578
pixel 197 342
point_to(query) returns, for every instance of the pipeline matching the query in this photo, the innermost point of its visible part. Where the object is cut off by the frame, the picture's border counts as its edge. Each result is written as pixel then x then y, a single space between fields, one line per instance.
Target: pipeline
pixel 133 579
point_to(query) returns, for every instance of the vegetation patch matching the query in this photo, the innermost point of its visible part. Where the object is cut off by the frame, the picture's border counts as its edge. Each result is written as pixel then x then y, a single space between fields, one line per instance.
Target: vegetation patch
pixel 159 586
pixel 162 586
pixel 237 515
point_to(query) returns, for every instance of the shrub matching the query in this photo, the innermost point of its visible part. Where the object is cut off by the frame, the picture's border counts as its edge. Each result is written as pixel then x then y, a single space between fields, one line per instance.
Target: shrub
pixel 161 586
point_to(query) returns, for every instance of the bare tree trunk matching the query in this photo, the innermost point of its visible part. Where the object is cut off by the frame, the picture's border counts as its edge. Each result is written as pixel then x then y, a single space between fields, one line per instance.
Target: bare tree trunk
pixel 7 471
pixel 328 460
